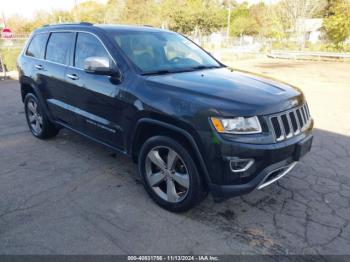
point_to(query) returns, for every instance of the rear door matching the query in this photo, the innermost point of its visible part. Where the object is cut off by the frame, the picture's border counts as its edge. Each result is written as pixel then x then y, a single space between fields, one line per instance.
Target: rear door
pixel 97 103
pixel 33 63
pixel 58 97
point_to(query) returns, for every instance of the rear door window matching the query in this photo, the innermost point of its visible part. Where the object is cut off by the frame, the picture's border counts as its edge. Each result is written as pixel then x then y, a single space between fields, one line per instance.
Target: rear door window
pixel 58 47
pixel 37 45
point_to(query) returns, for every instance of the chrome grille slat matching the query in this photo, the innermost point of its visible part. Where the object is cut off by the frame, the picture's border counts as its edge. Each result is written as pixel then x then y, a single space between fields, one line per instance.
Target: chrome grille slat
pixel 282 127
pixel 296 125
pixel 291 128
pixel 300 118
pixel 307 111
pixel 304 115
pixel 290 123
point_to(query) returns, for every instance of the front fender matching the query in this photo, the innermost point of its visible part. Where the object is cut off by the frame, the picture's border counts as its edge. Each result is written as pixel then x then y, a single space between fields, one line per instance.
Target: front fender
pixel 194 144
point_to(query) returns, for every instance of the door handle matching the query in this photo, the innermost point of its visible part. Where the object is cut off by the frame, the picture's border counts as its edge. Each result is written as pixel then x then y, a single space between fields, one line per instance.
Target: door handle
pixel 39 67
pixel 73 76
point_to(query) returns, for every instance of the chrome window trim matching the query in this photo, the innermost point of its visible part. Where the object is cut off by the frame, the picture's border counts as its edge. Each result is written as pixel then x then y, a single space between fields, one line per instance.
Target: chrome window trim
pixel 65 31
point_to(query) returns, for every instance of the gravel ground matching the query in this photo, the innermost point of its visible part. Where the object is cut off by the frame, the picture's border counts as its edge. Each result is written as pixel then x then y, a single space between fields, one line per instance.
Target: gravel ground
pixel 68 195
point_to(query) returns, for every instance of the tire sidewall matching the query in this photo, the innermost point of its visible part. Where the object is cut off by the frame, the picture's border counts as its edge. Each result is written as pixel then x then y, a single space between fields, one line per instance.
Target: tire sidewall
pixel 28 98
pixel 194 191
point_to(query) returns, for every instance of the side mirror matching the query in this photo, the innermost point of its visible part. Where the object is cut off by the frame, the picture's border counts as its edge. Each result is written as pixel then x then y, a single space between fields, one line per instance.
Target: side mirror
pixel 100 66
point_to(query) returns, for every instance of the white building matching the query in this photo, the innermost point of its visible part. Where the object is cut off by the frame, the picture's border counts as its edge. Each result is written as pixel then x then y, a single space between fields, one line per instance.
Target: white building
pixel 310 29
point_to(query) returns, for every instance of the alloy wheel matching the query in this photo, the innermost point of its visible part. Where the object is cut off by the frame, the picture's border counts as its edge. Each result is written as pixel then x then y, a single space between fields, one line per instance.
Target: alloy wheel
pixel 34 117
pixel 167 174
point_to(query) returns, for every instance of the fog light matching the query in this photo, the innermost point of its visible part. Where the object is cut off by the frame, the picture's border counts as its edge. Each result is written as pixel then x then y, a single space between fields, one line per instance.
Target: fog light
pixel 238 165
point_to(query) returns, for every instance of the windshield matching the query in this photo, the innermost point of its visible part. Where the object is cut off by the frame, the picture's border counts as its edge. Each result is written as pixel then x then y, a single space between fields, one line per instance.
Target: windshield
pixel 163 52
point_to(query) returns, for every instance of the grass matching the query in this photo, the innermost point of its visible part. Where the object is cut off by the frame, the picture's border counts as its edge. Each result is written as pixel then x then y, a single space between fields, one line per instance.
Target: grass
pixel 9 57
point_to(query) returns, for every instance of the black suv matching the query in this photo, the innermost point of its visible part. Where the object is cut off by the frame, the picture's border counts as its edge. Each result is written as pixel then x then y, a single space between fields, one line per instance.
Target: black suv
pixel 192 124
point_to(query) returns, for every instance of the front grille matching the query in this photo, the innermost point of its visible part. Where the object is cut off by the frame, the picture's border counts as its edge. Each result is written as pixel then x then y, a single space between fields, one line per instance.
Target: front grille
pixel 290 123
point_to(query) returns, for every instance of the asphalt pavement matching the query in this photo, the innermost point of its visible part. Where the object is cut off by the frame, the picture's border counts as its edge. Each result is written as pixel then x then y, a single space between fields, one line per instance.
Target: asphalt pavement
pixel 69 195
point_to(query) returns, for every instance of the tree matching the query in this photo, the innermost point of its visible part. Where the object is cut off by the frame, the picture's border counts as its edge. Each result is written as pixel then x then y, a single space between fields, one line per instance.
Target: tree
pixel 140 12
pixel 242 23
pixel 337 24
pixel 281 22
pixel 197 16
pixel 168 12
pixel 89 11
pixel 295 11
pixel 264 22
pixel 61 16
pixel 114 11
pixel 18 24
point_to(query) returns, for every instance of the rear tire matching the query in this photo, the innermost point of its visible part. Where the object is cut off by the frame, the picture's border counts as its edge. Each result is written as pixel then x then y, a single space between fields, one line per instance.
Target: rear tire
pixel 170 174
pixel 38 123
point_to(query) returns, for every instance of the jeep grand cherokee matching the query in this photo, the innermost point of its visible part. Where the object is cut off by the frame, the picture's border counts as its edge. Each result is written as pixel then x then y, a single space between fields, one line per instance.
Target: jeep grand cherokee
pixel 192 124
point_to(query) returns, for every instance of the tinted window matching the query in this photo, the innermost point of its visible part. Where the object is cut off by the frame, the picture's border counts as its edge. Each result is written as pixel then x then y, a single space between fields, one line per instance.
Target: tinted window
pixel 37 46
pixel 88 45
pixel 58 47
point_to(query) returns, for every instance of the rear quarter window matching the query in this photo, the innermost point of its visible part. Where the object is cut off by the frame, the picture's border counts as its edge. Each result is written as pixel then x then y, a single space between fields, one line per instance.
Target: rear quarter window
pixel 37 46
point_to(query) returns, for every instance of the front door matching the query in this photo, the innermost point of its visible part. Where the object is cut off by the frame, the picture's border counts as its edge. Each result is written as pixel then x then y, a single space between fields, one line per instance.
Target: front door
pixel 97 105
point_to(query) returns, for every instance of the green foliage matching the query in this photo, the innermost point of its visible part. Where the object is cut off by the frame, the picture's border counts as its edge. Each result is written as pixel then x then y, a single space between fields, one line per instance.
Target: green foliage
pixel 89 11
pixel 337 24
pixel 186 16
pixel 318 47
pixel 140 12
pixel 192 15
pixel 202 17
pixel 9 57
pixel 242 22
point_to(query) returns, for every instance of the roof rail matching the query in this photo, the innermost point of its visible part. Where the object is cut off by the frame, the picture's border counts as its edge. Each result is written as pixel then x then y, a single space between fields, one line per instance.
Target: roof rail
pixel 81 23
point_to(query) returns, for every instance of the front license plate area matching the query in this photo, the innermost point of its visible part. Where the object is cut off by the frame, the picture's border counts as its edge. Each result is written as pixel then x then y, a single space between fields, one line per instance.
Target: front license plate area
pixel 302 148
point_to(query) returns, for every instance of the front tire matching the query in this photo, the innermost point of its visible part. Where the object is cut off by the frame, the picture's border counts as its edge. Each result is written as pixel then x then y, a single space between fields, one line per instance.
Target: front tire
pixel 170 174
pixel 38 123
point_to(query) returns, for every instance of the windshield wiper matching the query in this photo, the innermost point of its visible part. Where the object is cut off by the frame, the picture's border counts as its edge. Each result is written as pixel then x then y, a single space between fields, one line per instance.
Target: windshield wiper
pixel 164 72
pixel 159 72
pixel 204 67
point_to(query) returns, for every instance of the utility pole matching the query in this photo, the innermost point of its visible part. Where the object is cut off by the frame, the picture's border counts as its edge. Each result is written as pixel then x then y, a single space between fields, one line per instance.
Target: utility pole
pixel 228 23
pixel 3 19
pixel 76 16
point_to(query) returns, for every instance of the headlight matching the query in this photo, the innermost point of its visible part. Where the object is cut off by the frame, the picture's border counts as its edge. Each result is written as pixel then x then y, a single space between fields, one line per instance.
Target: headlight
pixel 237 125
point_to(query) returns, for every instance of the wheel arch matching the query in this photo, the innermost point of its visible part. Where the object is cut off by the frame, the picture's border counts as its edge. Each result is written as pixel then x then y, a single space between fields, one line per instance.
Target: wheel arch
pixel 146 128
pixel 27 88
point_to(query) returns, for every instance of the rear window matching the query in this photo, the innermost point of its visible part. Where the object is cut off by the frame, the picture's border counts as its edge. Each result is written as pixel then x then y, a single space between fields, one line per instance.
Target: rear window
pixel 37 45
pixel 58 47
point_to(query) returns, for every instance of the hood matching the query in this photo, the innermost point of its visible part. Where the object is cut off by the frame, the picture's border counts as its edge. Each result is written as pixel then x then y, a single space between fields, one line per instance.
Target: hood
pixel 232 91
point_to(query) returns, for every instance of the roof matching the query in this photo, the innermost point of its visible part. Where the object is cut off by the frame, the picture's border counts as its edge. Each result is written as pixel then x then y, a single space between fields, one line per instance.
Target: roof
pixel 129 27
pixel 106 27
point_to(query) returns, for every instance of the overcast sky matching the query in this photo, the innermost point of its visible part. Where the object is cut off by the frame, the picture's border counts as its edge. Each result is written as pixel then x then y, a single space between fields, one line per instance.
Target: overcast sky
pixel 28 7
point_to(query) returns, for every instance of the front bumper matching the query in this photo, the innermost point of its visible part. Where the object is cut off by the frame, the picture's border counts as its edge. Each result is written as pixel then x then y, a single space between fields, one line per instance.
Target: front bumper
pixel 272 162
pixel 226 191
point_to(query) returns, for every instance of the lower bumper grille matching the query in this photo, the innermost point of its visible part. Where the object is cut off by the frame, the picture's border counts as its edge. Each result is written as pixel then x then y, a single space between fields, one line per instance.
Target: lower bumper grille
pixel 275 175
